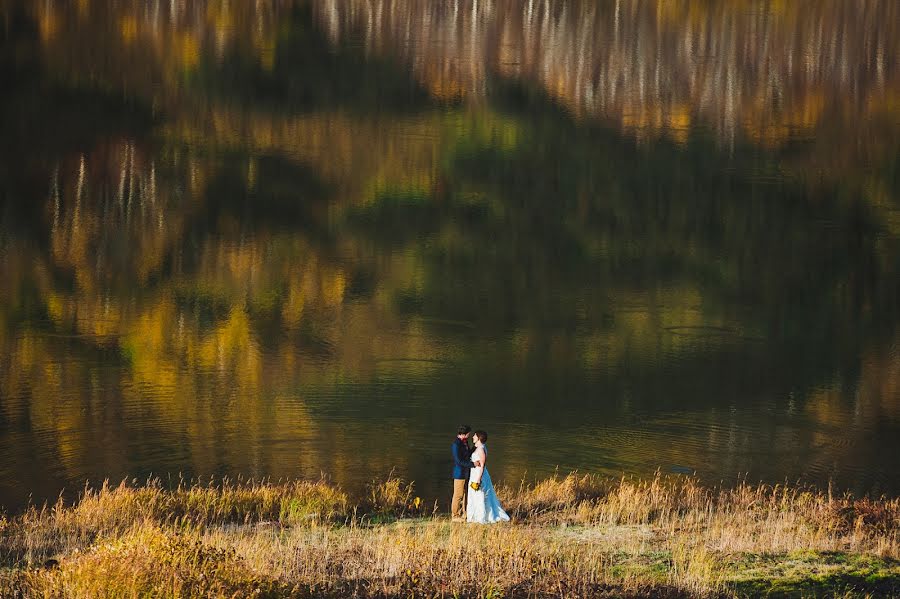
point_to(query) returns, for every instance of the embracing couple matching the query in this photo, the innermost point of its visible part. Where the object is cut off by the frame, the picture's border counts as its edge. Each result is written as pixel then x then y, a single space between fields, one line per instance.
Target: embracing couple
pixel 472 486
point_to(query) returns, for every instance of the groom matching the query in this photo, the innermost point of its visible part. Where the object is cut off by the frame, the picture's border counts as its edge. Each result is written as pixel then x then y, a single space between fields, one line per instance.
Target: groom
pixel 461 466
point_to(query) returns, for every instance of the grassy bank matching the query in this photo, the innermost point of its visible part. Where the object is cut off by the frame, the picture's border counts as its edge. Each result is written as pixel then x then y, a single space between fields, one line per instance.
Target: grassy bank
pixel 570 536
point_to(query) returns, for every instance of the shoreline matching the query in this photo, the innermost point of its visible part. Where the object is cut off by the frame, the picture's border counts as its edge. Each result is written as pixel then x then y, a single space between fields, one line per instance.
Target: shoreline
pixel 574 536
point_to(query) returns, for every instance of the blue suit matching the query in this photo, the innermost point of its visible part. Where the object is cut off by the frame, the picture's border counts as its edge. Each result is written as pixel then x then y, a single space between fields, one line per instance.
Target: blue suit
pixel 461 459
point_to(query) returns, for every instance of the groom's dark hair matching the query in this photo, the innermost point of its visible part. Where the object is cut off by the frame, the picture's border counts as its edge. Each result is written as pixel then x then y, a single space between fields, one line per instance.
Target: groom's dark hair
pixel 464 429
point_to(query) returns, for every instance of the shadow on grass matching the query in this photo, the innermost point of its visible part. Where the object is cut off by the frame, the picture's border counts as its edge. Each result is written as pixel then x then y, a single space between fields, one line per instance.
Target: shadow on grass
pixel 824 574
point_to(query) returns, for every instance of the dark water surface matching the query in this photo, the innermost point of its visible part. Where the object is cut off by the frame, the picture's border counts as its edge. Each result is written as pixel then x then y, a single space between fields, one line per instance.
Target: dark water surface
pixel 280 238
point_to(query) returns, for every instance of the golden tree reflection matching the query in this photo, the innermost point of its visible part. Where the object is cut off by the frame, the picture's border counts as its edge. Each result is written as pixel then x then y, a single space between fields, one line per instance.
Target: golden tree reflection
pixel 766 68
pixel 252 247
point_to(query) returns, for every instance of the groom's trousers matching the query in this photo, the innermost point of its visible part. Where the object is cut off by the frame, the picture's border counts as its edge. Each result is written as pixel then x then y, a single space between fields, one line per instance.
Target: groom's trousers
pixel 458 504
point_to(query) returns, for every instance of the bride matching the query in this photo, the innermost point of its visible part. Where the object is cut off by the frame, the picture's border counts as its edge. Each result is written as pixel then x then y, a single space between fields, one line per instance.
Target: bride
pixel 482 507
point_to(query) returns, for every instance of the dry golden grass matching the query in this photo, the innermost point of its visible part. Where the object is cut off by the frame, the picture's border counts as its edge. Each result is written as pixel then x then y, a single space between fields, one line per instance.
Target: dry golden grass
pixel 577 535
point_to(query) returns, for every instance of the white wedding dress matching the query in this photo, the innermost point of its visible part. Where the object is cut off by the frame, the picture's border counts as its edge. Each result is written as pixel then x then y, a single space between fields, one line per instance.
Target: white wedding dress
pixel 483 507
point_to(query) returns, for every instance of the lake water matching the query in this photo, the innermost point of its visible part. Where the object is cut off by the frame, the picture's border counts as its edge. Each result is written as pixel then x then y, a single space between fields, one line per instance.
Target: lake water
pixel 285 238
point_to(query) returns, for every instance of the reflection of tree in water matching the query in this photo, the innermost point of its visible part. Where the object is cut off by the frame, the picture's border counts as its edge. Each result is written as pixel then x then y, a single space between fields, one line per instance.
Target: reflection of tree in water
pixel 560 233
pixel 591 250
pixel 818 80
pixel 204 280
pixel 214 259
pixel 652 65
pixel 784 74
